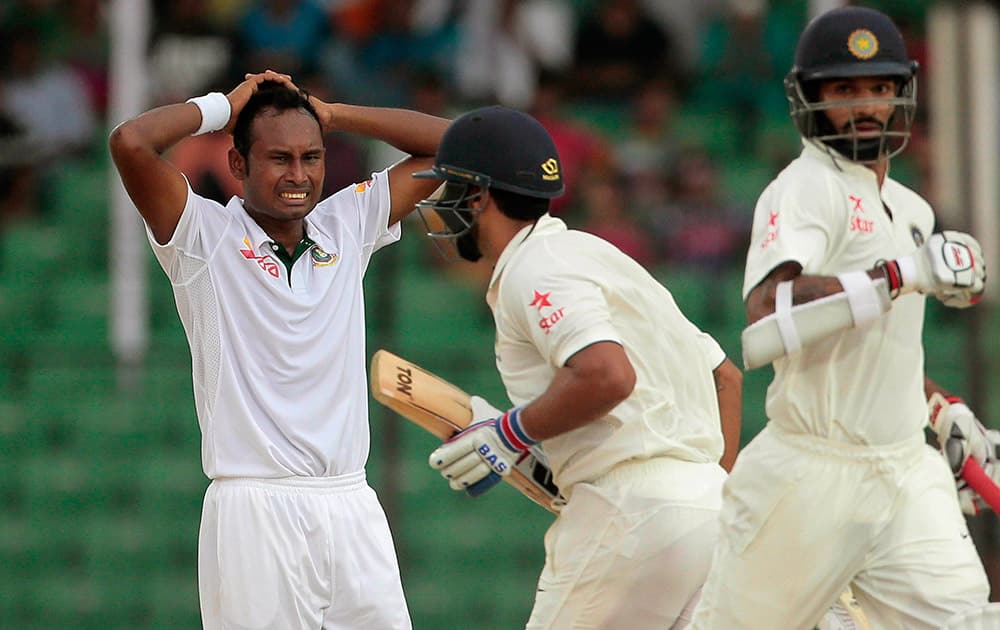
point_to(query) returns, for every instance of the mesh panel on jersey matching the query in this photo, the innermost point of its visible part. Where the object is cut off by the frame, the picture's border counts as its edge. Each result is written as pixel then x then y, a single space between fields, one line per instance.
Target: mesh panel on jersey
pixel 204 325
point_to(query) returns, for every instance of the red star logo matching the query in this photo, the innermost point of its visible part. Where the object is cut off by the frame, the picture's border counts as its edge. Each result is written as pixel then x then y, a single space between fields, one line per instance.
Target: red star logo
pixel 541 300
pixel 857 203
pixel 772 221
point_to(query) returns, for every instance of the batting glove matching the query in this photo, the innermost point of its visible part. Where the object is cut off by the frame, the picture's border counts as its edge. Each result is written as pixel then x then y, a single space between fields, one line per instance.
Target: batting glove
pixel 477 458
pixel 948 266
pixel 970 502
pixel 960 435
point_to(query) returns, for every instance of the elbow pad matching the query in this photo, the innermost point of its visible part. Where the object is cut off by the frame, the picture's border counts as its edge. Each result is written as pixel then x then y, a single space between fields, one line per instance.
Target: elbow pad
pixel 785 331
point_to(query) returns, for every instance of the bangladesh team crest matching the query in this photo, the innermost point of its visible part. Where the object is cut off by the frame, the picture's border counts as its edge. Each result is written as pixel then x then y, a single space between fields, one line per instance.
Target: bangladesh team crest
pixel 321 258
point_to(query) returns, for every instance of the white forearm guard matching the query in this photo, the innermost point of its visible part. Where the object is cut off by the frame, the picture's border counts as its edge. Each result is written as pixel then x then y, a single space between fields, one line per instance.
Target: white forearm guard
pixel 789 328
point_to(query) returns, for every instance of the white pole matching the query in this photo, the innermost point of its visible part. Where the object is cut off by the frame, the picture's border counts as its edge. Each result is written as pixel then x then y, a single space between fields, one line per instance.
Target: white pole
pixel 984 67
pixel 129 30
pixel 819 7
pixel 946 124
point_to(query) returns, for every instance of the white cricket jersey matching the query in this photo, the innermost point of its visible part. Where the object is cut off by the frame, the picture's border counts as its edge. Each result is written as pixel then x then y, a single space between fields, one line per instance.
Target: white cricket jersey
pixel 556 291
pixel 279 364
pixel 862 385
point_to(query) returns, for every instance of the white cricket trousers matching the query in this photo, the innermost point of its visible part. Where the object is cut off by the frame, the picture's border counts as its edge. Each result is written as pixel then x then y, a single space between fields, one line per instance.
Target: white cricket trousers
pixel 803 517
pixel 300 553
pixel 631 549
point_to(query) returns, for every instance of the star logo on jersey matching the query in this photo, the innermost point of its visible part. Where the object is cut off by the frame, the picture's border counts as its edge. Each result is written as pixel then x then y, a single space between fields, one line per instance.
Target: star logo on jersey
pixel 265 262
pixel 858 222
pixel 772 229
pixel 541 300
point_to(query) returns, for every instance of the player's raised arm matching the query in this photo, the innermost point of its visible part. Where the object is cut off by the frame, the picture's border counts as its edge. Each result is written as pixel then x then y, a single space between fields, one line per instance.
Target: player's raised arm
pixel 411 132
pixel 155 186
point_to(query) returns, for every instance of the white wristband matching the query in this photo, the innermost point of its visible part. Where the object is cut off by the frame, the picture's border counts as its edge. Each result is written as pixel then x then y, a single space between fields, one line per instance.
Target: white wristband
pixel 908 271
pixel 868 298
pixel 215 111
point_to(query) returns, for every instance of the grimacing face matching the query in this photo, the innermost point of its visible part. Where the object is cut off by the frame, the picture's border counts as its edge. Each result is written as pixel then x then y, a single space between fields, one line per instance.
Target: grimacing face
pixel 866 119
pixel 283 173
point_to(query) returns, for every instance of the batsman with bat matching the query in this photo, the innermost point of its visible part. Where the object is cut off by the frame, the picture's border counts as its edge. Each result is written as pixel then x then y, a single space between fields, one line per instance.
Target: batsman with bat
pixel 633 405
pixel 840 489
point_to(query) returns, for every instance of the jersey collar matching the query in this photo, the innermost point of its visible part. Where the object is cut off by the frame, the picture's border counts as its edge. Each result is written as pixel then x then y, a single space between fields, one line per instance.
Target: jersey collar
pixel 262 242
pixel 546 224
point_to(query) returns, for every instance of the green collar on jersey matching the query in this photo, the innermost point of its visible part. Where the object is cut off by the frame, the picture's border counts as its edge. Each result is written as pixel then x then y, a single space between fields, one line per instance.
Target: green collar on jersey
pixel 289 260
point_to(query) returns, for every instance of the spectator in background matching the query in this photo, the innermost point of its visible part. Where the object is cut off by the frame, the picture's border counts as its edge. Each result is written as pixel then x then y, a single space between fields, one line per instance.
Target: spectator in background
pixel 46 18
pixel 188 51
pixel 647 149
pixel 617 47
pixel 286 34
pixel 606 214
pixel 744 53
pixel 684 21
pixel 87 48
pixel 379 45
pixel 700 228
pixel 505 45
pixel 581 151
pixel 46 98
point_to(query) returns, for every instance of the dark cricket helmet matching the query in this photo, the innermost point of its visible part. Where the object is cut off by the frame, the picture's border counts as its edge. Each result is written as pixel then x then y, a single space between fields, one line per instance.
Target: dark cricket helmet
pixel 845 43
pixel 491 148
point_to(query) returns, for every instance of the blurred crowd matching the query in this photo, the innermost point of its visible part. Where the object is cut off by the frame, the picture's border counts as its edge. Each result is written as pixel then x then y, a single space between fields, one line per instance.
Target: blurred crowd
pixel 660 110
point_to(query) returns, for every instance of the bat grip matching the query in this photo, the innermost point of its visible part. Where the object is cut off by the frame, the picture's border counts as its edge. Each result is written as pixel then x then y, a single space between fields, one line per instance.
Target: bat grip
pixel 979 481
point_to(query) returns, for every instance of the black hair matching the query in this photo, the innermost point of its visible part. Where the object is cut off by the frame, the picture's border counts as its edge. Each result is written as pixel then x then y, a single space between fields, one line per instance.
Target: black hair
pixel 270 95
pixel 517 206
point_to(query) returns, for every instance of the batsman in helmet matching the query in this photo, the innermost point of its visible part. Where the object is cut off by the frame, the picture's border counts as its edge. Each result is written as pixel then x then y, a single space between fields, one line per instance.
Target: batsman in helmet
pixel 633 405
pixel 839 489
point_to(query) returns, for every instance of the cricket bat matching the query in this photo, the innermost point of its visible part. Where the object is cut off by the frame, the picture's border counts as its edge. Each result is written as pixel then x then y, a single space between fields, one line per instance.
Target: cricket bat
pixel 443 410
pixel 971 472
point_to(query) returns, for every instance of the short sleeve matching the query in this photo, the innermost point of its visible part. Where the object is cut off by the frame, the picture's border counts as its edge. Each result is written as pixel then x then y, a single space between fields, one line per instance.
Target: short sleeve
pixel 790 224
pixel 558 306
pixel 198 233
pixel 366 205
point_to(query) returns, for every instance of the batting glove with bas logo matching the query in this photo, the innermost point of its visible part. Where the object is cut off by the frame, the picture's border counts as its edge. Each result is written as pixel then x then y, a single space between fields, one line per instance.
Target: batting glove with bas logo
pixel 479 457
pixel 961 436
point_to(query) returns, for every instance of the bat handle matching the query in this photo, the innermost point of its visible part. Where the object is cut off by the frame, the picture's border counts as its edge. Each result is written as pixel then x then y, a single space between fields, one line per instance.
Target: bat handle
pixel 979 481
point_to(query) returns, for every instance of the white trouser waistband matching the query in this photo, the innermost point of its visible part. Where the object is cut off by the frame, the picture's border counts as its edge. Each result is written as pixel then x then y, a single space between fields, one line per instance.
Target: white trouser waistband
pixel 310 485
pixel 909 448
pixel 651 467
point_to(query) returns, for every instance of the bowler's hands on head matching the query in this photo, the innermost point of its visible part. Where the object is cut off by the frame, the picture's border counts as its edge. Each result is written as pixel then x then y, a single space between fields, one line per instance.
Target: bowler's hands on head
pixel 478 458
pixel 241 94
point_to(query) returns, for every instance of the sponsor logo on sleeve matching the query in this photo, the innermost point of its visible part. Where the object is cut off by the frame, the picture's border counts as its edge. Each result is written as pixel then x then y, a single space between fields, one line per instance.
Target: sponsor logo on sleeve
pixel 772 229
pixel 547 321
